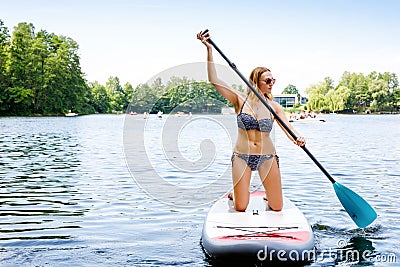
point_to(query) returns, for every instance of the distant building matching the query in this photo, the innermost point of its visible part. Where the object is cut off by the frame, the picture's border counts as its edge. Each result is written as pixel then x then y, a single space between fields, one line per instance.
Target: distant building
pixel 286 100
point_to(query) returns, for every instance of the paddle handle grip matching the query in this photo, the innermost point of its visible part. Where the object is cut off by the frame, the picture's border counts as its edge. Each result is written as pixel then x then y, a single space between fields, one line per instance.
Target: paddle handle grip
pixel 262 99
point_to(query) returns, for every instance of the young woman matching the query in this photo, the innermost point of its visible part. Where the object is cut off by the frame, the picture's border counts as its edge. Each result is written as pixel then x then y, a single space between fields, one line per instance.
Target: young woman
pixel 254 150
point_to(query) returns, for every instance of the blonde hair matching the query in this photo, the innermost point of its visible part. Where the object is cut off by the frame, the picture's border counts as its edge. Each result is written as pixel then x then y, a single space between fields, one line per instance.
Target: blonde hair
pixel 254 78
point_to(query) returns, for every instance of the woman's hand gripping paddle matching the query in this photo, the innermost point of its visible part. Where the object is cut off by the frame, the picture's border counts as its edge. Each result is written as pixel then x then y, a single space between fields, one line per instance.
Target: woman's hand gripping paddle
pixel 358 209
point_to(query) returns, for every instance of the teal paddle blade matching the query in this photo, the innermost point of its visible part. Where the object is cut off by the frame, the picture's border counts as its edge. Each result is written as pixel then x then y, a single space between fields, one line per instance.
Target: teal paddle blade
pixel 358 209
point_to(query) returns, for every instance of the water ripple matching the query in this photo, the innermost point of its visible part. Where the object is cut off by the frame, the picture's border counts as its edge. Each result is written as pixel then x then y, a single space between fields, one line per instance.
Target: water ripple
pixel 68 198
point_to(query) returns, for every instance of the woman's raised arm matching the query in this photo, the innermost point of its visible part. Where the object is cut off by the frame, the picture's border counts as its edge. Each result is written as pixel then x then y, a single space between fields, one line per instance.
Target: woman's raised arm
pixel 224 89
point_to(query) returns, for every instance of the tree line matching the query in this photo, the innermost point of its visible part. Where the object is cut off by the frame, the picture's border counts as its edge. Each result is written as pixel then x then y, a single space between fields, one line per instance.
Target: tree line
pixel 40 73
pixel 179 94
pixel 356 92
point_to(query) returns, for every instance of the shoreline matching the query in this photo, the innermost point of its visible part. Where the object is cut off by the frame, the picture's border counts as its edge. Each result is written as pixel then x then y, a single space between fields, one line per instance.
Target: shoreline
pixel 63 115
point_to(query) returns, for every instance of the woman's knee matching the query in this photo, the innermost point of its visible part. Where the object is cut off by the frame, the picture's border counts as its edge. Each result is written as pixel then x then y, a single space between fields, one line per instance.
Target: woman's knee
pixel 240 207
pixel 276 206
pixel 241 203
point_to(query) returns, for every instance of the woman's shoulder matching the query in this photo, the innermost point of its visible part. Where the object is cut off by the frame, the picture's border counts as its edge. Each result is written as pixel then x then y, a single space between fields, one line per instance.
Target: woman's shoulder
pixel 241 96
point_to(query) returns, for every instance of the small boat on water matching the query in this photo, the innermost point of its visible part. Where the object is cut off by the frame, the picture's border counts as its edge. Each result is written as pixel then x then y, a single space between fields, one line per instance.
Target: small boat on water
pixel 71 114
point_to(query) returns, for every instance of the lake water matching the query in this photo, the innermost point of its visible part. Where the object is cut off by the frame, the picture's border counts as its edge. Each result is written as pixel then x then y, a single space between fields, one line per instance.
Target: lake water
pixel 116 190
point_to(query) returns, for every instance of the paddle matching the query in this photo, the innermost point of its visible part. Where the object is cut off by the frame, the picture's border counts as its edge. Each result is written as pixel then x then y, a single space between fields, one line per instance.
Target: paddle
pixel 358 209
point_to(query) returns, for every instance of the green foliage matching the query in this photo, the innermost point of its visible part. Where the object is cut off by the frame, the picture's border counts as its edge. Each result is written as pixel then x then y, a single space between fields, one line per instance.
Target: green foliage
pixel 99 98
pixel 40 73
pixel 375 92
pixel 178 95
pixel 115 94
pixel 291 89
pixel 4 40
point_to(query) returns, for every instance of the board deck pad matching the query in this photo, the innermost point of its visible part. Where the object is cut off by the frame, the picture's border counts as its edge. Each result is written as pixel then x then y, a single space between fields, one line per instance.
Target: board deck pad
pixel 259 232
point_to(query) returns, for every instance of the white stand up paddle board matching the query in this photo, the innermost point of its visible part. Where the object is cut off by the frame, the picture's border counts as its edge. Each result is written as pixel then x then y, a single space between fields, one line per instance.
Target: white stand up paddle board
pixel 258 233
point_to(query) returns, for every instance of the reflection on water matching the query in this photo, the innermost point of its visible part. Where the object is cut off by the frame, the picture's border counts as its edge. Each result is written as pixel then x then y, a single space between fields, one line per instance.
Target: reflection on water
pixel 68 198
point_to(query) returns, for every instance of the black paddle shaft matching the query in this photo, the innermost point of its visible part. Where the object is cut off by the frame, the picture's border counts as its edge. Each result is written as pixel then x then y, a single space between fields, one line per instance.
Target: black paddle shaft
pixel 262 99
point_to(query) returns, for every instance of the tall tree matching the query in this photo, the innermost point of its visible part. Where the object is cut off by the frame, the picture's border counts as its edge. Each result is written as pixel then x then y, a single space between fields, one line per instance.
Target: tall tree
pixel 336 99
pixel 4 44
pixel 40 53
pixel 42 73
pixel 21 74
pixel 99 98
pixel 393 88
pixel 317 93
pixel 379 90
pixel 128 92
pixel 116 94
pixel 64 83
pixel 291 89
pixel 143 98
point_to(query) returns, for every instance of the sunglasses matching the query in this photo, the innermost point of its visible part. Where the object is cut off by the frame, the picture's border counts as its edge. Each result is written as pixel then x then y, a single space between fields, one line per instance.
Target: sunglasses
pixel 269 80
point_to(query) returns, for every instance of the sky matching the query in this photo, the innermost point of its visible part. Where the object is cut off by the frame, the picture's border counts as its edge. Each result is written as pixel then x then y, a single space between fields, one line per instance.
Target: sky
pixel 301 41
